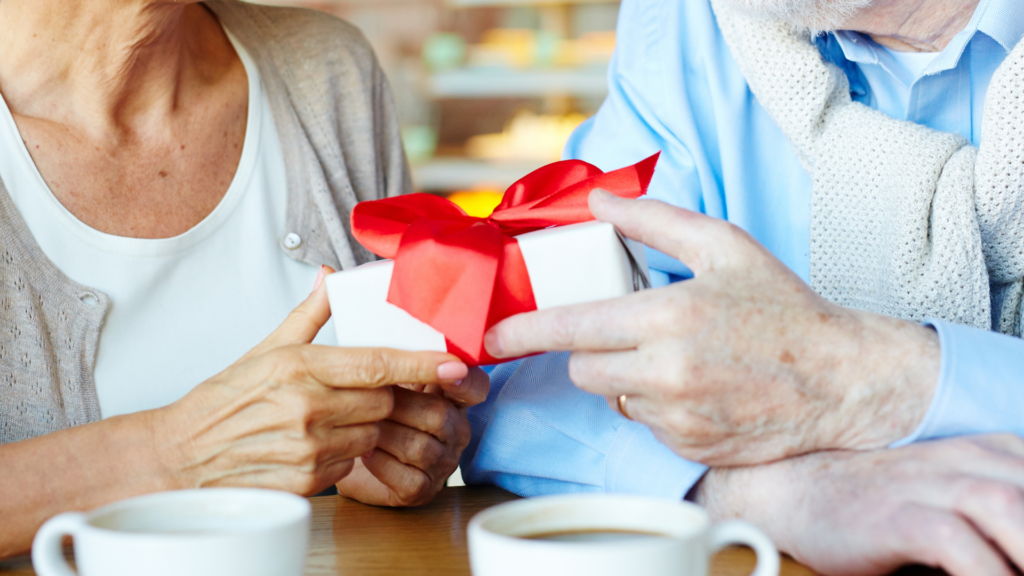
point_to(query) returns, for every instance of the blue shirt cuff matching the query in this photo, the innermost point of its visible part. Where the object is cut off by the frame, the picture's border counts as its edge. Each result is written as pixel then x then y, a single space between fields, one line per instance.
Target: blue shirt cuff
pixel 980 388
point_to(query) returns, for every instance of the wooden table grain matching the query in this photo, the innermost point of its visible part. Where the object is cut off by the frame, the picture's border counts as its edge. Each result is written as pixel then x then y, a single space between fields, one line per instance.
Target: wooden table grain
pixel 353 539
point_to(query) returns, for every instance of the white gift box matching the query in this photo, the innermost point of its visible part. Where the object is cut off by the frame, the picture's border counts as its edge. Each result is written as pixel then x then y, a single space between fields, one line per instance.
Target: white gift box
pixel 571 264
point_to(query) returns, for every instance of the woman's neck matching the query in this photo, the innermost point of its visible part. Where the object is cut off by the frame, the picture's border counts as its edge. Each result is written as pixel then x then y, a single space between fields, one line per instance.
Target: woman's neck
pixel 106 65
pixel 914 25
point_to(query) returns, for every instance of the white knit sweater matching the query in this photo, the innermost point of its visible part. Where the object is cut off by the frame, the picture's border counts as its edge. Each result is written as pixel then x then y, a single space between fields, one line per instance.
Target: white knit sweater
pixel 905 220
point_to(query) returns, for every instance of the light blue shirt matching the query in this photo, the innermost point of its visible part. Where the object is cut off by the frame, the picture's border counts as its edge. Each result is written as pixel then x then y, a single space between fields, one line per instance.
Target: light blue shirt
pixel 674 87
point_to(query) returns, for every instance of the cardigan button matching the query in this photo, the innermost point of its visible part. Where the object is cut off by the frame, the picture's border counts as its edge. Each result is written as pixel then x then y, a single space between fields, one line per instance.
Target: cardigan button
pixel 292 241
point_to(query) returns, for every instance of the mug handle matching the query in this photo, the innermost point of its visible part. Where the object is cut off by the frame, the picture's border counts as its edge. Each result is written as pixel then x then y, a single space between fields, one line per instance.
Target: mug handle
pixel 737 532
pixel 48 545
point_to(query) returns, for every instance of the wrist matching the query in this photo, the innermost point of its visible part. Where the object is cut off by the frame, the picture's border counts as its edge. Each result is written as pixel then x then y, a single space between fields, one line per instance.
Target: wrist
pixel 756 494
pixel 887 375
pixel 169 440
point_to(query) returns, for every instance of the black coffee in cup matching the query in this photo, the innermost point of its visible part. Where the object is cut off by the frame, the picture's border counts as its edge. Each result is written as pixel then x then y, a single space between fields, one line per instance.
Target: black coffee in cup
pixel 594 535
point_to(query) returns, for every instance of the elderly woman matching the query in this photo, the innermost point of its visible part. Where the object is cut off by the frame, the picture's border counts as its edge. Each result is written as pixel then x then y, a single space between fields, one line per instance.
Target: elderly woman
pixel 174 176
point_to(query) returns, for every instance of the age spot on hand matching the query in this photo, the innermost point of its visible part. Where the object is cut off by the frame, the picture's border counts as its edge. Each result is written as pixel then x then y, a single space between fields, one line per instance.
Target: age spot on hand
pixel 786 357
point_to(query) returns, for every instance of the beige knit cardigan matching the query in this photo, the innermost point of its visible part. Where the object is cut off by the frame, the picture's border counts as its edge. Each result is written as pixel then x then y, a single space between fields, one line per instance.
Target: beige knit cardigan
pixel 335 118
pixel 905 220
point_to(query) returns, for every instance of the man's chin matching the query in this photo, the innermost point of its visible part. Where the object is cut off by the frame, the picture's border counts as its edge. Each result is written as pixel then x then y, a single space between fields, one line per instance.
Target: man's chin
pixel 815 14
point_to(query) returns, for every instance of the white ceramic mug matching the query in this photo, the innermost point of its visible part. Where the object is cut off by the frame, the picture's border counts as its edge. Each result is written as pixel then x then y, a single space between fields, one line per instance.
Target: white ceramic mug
pixel 208 532
pixel 606 535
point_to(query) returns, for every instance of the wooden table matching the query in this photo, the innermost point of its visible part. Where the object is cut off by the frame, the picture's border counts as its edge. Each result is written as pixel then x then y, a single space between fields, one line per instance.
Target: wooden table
pixel 353 539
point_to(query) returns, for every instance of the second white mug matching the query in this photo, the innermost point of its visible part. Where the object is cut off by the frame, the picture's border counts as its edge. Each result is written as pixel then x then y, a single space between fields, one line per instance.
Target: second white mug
pixel 606 535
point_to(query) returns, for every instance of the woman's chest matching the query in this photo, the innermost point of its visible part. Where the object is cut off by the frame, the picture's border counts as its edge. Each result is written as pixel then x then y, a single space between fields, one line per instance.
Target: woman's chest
pixel 139 186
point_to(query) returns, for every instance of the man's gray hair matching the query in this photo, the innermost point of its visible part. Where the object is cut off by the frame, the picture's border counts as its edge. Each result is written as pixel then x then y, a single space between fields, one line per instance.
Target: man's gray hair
pixel 816 14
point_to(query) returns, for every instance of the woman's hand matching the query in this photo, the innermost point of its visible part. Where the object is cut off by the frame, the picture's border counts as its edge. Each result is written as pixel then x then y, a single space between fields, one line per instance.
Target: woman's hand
pixel 956 504
pixel 742 364
pixel 290 415
pixel 420 444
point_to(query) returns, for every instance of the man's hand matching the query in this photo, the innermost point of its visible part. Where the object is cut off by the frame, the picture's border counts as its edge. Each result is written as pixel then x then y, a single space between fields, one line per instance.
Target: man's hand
pixel 955 504
pixel 420 444
pixel 741 365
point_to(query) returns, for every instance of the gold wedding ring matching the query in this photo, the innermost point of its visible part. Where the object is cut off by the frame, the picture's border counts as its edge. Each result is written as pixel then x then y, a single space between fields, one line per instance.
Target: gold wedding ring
pixel 622 406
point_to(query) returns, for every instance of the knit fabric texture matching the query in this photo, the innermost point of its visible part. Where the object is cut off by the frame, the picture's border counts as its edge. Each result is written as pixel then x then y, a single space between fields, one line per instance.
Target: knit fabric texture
pixel 906 221
pixel 335 119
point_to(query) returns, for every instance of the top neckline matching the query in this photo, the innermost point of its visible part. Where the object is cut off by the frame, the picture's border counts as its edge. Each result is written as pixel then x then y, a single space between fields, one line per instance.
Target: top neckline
pixel 150 247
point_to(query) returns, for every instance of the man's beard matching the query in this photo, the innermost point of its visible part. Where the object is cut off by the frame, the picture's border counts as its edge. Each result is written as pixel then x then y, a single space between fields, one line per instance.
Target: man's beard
pixel 816 14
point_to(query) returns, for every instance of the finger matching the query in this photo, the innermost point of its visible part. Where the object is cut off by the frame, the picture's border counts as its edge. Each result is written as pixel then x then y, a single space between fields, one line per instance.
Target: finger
pixel 346 407
pixel 407 485
pixel 330 474
pixel 413 447
pixel 304 322
pixel 606 325
pixel 345 442
pixel 375 367
pixel 997 457
pixel 428 413
pixel 946 540
pixel 631 372
pixel 1005 443
pixel 468 391
pixel 639 409
pixel 337 461
pixel 701 242
pixel 997 509
pixel 296 464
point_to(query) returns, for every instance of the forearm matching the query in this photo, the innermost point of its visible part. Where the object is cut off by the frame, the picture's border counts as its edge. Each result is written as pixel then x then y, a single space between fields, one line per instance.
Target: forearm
pixel 79 469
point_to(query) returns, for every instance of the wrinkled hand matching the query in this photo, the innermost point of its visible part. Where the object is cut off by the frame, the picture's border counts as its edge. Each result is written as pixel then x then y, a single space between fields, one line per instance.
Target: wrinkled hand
pixel 289 415
pixel 420 444
pixel 742 364
pixel 955 504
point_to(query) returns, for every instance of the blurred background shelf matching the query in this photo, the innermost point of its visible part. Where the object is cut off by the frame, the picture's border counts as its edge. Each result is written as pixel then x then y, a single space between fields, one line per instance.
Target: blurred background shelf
pixel 486 91
pixel 481 3
pixel 497 82
pixel 448 174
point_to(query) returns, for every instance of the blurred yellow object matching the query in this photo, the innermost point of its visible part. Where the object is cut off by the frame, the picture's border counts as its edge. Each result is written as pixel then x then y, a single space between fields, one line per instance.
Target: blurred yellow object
pixel 524 48
pixel 590 48
pixel 479 203
pixel 504 47
pixel 527 137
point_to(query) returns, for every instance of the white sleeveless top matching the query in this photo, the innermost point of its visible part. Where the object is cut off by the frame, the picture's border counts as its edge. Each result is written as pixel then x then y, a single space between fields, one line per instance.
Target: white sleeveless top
pixel 182 308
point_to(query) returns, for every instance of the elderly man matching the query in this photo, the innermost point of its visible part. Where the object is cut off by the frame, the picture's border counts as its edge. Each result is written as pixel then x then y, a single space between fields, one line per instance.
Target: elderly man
pixel 881 165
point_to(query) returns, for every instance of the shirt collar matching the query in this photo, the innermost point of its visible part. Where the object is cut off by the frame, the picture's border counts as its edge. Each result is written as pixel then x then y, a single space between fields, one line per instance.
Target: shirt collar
pixel 1001 20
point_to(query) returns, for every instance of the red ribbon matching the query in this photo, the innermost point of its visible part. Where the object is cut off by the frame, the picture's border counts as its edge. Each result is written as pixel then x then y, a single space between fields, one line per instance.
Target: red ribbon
pixel 461 274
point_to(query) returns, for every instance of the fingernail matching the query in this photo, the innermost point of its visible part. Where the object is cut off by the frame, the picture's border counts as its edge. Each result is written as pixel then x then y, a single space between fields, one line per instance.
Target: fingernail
pixel 319 278
pixel 452 371
pixel 492 344
pixel 604 195
pixel 368 453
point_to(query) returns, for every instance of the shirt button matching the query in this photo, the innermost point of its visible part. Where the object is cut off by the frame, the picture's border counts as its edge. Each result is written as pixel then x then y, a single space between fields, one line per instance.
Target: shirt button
pixel 292 241
pixel 88 298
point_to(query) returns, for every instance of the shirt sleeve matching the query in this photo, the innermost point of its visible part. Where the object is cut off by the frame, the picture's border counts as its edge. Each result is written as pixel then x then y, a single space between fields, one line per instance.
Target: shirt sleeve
pixel 981 385
pixel 633 123
pixel 538 434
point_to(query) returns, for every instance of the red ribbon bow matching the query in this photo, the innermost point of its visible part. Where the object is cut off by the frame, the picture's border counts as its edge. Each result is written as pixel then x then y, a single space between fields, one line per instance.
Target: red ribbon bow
pixel 461 274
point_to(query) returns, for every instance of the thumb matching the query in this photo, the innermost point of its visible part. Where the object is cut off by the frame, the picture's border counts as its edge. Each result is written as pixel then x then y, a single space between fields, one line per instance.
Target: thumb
pixel 701 242
pixel 304 322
